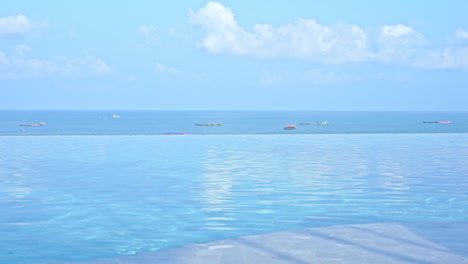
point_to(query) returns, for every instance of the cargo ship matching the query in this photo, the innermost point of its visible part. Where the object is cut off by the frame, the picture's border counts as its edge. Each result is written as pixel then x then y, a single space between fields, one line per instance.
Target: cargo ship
pixel 439 122
pixel 210 124
pixel 315 123
pixel 34 124
pixel 176 134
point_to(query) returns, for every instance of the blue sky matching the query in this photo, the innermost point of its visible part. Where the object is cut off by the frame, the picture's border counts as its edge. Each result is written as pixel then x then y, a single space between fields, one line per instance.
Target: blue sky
pixel 234 55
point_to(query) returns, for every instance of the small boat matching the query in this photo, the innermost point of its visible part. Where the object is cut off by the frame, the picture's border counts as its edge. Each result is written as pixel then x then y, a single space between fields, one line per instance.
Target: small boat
pixel 115 116
pixel 315 123
pixel 439 122
pixel 210 124
pixel 176 133
pixel 34 124
pixel 290 127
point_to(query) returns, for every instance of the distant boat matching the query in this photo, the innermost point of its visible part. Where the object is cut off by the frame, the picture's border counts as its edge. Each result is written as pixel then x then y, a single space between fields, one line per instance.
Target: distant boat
pixel 439 122
pixel 115 116
pixel 176 133
pixel 315 123
pixel 210 124
pixel 34 124
pixel 290 127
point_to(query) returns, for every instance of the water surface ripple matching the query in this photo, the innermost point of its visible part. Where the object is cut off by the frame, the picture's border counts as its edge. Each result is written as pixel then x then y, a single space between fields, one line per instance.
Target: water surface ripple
pixel 84 197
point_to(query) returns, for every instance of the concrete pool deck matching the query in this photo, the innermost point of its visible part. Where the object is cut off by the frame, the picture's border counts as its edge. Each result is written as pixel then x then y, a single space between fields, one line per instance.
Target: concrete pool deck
pixel 392 243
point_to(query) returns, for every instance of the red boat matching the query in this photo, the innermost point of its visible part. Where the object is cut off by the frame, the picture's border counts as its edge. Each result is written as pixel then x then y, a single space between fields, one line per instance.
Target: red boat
pixel 290 127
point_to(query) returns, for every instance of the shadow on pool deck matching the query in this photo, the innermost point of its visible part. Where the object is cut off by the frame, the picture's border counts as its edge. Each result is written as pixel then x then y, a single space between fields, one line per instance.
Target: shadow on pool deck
pixel 395 243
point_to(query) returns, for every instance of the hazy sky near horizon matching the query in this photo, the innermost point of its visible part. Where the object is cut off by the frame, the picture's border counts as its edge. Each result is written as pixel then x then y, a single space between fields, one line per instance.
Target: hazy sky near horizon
pixel 234 55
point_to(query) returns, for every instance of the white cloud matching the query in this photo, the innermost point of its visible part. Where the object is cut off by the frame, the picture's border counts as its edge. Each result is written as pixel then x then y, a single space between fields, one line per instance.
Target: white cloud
pixel 19 25
pixel 3 58
pixel 402 44
pixel 309 40
pixel 22 65
pixel 149 33
pixel 16 67
pixel 97 66
pixel 159 68
pixel 399 43
pixel 397 31
pixel 305 38
pixel 85 65
pixel 461 33
pixel 449 58
pixel 40 66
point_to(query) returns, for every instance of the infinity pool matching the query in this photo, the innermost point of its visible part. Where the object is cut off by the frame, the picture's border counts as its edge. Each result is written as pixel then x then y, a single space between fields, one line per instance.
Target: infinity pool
pixel 65 198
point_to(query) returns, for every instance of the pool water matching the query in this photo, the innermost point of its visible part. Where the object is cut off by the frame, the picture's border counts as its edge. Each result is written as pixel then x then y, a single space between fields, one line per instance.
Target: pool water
pixel 65 198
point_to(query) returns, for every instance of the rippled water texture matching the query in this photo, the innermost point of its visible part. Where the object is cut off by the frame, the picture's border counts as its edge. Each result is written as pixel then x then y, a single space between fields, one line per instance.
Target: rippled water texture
pixel 83 197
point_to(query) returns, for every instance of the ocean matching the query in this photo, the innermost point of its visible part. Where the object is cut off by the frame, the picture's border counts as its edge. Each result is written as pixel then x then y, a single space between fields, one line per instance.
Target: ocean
pixel 87 185
pixel 234 122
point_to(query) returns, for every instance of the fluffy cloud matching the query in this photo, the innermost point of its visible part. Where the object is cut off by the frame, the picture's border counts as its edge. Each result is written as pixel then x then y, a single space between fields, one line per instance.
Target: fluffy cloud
pixel 303 39
pixel 13 67
pixel 149 33
pixel 402 44
pixel 461 33
pixel 99 67
pixel 18 25
pixel 397 31
pixel 82 66
pixel 309 40
pixel 22 65
pixel 399 42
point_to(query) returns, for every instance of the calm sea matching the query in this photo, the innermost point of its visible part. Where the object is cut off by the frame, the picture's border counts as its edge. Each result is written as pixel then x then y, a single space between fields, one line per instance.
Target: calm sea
pixel 80 197
pixel 234 122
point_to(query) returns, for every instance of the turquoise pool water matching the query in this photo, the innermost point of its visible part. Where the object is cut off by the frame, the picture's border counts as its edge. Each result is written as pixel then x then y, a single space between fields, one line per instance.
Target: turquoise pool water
pixel 66 198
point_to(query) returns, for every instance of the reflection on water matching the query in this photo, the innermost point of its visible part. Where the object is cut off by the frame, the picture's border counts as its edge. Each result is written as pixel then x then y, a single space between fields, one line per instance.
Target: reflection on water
pixel 90 197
